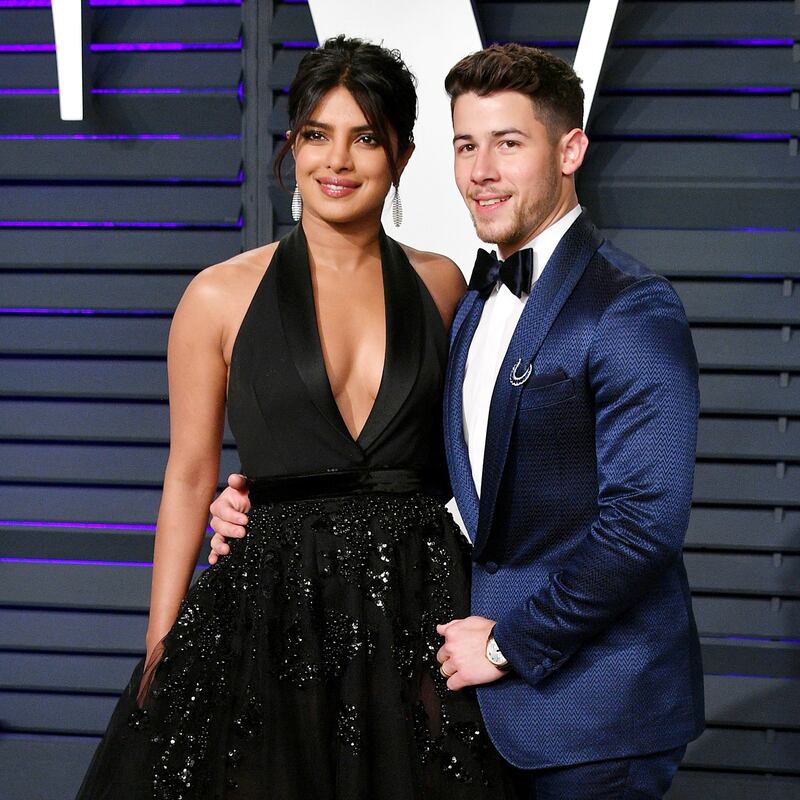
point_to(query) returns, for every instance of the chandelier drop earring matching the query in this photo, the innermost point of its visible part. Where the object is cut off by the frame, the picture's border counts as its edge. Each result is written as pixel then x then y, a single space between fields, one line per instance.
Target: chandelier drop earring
pixel 397 208
pixel 297 204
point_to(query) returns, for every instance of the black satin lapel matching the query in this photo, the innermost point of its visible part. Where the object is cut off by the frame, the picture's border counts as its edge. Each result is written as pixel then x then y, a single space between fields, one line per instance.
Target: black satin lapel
pixel 299 322
pixel 404 331
pixel 455 444
pixel 551 291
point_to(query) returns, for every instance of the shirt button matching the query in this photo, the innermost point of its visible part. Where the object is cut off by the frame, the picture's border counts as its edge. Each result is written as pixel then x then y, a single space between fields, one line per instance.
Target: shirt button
pixel 491 567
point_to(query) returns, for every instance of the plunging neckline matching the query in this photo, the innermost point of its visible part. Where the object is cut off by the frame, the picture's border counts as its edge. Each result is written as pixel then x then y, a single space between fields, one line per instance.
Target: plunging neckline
pixel 321 353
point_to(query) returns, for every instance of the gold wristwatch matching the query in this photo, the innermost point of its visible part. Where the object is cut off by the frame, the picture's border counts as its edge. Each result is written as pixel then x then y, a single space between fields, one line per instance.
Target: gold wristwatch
pixel 494 654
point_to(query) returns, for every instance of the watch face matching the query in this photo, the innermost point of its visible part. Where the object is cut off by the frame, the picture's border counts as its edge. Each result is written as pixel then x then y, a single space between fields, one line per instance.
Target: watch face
pixel 494 655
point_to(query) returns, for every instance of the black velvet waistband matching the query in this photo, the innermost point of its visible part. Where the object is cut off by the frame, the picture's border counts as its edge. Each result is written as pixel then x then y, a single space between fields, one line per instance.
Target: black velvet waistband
pixel 336 483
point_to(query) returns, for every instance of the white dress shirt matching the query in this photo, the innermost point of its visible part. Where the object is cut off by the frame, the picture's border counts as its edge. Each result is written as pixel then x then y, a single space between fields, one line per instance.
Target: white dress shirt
pixel 500 316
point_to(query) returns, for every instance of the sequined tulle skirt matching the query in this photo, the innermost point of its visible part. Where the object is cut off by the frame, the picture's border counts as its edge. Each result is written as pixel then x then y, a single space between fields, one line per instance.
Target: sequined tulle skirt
pixel 302 665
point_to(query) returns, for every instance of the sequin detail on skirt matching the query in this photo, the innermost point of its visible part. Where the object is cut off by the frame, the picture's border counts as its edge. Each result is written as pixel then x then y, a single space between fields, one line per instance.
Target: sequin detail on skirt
pixel 303 665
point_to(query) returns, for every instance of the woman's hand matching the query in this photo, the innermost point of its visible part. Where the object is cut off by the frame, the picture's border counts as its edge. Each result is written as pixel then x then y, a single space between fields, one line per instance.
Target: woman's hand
pixel 229 516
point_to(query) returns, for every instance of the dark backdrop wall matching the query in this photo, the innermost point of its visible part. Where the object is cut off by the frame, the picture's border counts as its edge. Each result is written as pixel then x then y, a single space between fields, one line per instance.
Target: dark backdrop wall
pixel 694 167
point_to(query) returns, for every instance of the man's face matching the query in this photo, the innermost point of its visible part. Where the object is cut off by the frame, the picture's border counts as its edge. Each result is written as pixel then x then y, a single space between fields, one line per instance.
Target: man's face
pixel 507 169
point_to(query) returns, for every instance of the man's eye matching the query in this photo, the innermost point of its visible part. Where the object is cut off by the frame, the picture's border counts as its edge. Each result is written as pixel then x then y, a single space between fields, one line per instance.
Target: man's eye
pixel 509 144
pixel 466 148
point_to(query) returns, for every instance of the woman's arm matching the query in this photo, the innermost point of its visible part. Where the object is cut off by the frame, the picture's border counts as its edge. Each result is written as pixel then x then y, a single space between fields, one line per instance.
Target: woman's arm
pixel 197 384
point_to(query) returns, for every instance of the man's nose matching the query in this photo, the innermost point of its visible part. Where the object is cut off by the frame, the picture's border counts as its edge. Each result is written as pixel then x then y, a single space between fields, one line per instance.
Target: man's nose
pixel 484 167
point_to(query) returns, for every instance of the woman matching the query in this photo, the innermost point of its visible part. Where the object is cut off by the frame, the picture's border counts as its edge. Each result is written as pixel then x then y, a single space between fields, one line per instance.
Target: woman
pixel 302 664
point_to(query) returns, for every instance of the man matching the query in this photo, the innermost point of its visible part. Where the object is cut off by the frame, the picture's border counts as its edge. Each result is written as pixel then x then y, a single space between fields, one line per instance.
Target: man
pixel 570 422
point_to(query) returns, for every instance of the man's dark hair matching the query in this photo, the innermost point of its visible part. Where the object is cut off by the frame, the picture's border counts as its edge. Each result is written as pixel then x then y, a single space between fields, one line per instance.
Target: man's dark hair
pixel 379 81
pixel 552 85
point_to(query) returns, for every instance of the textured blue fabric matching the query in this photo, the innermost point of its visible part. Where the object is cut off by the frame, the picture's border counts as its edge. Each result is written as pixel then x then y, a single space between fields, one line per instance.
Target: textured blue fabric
pixel 584 506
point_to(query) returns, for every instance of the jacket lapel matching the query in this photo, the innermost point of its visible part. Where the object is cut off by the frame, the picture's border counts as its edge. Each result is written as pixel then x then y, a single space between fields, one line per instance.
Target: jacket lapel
pixel 464 327
pixel 551 291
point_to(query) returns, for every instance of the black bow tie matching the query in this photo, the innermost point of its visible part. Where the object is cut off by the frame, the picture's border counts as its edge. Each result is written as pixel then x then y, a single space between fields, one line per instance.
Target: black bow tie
pixel 516 272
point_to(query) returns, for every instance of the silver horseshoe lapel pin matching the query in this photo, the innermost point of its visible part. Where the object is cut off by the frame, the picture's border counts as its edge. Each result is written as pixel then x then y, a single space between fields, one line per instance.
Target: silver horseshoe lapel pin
pixel 518 380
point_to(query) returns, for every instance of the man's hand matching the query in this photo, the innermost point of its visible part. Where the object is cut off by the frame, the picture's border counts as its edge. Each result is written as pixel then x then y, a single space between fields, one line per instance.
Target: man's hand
pixel 463 654
pixel 228 516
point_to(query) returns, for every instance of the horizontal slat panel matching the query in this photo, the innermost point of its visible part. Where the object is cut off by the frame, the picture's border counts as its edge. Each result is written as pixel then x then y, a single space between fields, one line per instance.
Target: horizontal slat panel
pixel 206 114
pixel 147 24
pixel 749 438
pixel 744 529
pixel 695 162
pixel 185 70
pixel 740 301
pixel 749 394
pixel 54 765
pixel 56 713
pixel 91 421
pixel 758 658
pixel 731 573
pixel 760 751
pixel 157 292
pixel 73 631
pixel 83 378
pixel 763 702
pixel 687 204
pixel 91 335
pixel 117 249
pixel 117 588
pixel 754 348
pixel 713 252
pixel 96 464
pixel 65 672
pixel 700 21
pixel 755 484
pixel 693 785
pixel 195 204
pixel 56 503
pixel 188 159
pixel 747 616
pixel 655 115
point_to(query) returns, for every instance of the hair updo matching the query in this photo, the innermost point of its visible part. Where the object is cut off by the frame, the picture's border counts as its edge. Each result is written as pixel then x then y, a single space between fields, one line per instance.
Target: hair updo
pixel 379 81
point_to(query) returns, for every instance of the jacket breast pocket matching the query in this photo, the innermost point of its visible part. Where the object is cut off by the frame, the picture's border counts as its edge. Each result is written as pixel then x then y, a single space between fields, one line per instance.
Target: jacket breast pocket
pixel 545 390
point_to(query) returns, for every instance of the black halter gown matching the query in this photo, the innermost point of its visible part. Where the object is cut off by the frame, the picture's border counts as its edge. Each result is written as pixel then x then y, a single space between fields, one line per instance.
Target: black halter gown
pixel 302 665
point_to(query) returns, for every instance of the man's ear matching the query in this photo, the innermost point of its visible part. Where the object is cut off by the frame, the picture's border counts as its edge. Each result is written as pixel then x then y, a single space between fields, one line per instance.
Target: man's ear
pixel 573 150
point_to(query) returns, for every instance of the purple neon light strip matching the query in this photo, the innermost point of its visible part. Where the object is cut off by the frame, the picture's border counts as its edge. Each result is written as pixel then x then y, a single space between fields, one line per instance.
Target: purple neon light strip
pixel 81 562
pixel 112 3
pixel 116 312
pixel 103 526
pixel 112 137
pixel 128 90
pixel 127 47
pixel 37 223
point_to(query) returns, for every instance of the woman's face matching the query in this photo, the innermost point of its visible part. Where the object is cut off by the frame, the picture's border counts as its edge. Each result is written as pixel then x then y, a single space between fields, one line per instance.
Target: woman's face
pixel 341 170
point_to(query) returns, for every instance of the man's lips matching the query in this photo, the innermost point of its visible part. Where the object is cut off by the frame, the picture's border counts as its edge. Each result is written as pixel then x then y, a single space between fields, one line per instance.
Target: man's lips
pixel 337 187
pixel 489 203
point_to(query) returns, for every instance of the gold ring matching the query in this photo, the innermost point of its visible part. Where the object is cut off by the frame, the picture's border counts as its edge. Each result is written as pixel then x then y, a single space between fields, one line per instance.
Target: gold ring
pixel 445 675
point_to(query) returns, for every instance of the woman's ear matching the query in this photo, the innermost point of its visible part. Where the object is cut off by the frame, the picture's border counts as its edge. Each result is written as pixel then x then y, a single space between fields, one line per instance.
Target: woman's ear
pixel 403 160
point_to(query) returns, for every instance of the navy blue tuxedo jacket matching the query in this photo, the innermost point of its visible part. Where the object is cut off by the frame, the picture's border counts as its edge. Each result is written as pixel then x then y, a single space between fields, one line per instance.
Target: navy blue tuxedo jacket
pixel 586 490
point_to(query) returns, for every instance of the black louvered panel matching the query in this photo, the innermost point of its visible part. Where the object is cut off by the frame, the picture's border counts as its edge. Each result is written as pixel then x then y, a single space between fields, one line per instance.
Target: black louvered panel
pixel 96 465
pixel 772 484
pixel 35 630
pixel 117 379
pixel 694 784
pixel 150 160
pixel 754 658
pixel 755 617
pixel 745 438
pixel 69 713
pixel 746 574
pixel 761 702
pixel 763 348
pixel 766 393
pixel 712 253
pixel 140 251
pixel 80 503
pixel 748 750
pixel 712 527
pixel 155 293
pixel 740 301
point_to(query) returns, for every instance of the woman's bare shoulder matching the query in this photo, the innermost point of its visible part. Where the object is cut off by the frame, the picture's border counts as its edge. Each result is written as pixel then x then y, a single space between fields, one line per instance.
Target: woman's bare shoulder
pixel 442 277
pixel 236 277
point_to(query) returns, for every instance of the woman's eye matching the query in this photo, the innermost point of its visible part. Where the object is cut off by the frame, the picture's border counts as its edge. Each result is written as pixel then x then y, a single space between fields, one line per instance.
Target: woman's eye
pixel 313 136
pixel 368 139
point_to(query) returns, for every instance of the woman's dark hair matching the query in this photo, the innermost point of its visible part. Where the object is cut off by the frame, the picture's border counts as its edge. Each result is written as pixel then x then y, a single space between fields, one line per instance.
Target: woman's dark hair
pixel 379 81
pixel 552 85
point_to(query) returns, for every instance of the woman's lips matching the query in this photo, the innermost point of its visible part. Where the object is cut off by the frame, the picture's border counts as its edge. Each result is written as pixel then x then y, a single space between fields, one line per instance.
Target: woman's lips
pixel 338 188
